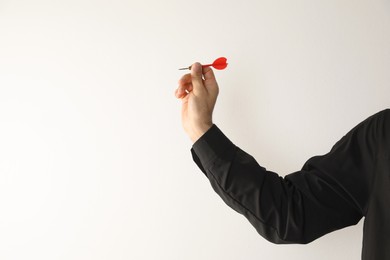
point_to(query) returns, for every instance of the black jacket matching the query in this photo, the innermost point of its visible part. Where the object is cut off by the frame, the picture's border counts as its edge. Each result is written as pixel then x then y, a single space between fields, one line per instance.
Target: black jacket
pixel 330 192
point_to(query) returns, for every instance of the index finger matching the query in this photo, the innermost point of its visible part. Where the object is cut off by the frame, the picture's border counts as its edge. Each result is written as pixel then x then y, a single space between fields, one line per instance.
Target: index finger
pixel 185 79
pixel 208 74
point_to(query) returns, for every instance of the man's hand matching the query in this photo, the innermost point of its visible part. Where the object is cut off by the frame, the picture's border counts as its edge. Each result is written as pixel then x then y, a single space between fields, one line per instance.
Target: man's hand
pixel 198 91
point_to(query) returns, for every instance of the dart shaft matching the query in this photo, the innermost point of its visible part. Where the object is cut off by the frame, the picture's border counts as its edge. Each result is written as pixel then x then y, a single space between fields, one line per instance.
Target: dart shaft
pixel 203 66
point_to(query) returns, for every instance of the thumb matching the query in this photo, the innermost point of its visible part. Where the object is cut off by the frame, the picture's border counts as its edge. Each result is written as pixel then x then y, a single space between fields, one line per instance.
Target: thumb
pixel 196 76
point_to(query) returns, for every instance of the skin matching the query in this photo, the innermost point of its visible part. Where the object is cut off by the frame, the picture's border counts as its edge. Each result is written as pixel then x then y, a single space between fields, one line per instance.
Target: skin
pixel 198 92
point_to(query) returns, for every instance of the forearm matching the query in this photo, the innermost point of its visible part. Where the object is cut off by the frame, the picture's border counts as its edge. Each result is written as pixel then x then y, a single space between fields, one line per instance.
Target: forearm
pixel 262 197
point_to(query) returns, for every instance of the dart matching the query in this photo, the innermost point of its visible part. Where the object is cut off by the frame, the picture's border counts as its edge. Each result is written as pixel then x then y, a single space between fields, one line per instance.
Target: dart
pixel 218 64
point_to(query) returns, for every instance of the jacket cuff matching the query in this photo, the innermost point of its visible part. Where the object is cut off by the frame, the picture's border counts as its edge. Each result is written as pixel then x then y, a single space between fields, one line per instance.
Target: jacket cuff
pixel 213 144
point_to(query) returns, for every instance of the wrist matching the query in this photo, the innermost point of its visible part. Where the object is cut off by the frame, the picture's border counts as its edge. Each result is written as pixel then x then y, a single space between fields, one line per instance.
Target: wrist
pixel 199 131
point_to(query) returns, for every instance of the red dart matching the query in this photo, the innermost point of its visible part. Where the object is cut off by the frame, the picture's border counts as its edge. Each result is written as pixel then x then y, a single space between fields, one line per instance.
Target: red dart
pixel 218 64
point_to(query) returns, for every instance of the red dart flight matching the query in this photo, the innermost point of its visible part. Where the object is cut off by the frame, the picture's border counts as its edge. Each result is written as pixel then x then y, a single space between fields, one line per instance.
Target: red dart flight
pixel 218 64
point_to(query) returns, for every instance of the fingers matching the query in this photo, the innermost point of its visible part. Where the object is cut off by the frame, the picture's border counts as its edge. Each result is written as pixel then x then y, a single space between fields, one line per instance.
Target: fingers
pixel 208 73
pixel 210 81
pixel 199 80
pixel 185 86
pixel 185 79
pixel 196 77
pixel 182 94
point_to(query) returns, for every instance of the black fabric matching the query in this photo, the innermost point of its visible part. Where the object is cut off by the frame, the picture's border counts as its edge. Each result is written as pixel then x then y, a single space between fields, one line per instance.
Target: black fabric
pixel 330 192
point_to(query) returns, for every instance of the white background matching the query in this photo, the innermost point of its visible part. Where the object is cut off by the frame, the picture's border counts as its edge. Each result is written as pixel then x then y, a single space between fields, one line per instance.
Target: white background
pixel 94 163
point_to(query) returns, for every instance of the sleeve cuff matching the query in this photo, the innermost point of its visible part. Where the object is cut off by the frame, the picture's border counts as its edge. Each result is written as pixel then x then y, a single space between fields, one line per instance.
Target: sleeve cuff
pixel 213 144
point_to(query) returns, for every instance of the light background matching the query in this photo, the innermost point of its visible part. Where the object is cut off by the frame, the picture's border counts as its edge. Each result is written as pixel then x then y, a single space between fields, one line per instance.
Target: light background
pixel 94 163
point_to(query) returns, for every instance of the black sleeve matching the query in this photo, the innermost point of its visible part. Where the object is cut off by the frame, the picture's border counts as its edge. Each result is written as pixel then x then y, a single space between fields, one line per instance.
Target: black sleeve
pixel 329 193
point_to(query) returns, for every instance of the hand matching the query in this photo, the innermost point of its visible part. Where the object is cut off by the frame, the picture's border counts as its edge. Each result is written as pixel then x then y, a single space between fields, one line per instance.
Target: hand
pixel 198 91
